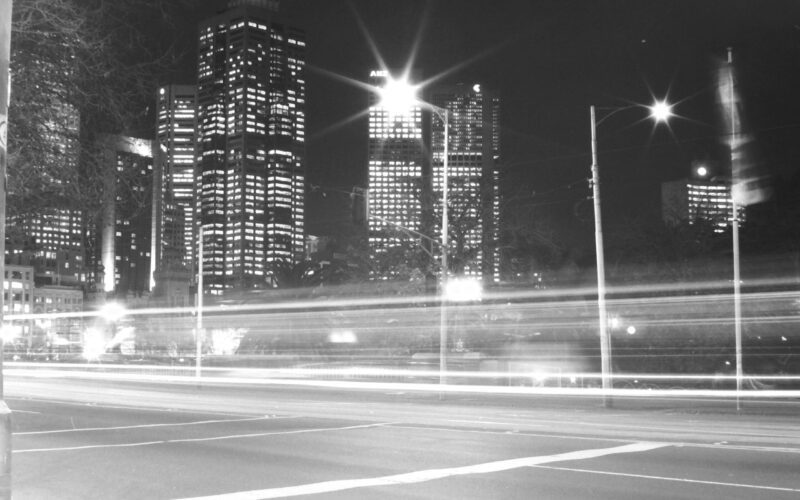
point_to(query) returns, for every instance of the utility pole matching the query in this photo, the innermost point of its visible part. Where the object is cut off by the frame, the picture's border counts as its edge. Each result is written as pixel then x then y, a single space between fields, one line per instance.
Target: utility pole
pixel 5 92
pixel 602 315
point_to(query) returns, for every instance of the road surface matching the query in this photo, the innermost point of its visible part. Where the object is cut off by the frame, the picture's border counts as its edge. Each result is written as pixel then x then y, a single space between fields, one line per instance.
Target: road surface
pixel 76 439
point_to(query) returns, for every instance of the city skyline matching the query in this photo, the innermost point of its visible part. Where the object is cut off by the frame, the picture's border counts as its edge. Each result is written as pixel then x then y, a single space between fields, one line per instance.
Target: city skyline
pixel 549 62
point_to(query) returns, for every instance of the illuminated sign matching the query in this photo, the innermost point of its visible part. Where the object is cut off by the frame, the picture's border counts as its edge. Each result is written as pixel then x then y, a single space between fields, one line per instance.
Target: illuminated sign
pixel 379 73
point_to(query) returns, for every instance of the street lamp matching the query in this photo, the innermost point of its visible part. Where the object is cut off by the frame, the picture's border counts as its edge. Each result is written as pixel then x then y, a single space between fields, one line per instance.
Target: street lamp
pixel 659 111
pixel 397 96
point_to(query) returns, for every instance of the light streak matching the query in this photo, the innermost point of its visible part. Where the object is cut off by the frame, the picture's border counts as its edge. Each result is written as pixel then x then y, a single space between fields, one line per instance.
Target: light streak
pixel 240 377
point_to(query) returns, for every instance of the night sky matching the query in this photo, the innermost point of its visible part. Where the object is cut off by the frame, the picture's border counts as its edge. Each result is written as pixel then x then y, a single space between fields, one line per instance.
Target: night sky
pixel 550 60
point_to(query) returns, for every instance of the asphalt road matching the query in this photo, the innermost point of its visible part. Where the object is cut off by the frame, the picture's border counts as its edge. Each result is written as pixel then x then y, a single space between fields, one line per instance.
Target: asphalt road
pixel 77 439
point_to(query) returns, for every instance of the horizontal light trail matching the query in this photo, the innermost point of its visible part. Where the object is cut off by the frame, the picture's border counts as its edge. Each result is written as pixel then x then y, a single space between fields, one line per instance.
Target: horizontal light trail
pixel 19 368
pixel 419 387
pixel 544 299
pixel 429 475
pixel 196 440
pixel 674 479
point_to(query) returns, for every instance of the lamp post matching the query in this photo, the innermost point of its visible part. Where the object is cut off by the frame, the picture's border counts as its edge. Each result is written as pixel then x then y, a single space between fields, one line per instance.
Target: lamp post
pixel 5 92
pixel 444 116
pixel 660 112
pixel 397 96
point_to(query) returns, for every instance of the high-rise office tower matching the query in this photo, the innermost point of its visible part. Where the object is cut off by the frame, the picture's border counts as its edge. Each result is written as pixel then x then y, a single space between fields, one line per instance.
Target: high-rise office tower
pixel 126 232
pixel 250 177
pixel 54 222
pixel 473 176
pixel 175 128
pixel 396 170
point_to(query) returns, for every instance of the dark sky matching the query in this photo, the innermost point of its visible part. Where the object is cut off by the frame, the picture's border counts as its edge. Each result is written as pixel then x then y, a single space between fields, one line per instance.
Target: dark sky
pixel 550 60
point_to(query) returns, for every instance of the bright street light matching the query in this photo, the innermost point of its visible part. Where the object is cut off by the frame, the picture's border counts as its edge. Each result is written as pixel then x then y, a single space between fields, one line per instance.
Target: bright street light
pixel 660 111
pixel 397 97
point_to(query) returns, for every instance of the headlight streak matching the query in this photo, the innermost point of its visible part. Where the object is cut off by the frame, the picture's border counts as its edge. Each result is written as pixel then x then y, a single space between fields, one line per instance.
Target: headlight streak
pixel 434 387
pixel 540 341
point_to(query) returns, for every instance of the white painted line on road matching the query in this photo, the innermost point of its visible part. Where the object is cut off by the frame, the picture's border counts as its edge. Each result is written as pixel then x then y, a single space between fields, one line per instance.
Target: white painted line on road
pixel 194 440
pixel 427 475
pixel 124 407
pixel 145 426
pixel 575 437
pixel 676 479
pixel 26 411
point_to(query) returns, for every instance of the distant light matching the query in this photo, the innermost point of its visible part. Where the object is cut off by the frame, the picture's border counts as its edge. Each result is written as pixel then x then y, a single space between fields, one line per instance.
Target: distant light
pixel 112 311
pixel 702 171
pixel 463 289
pixel 342 337
pixel 660 111
pixel 476 88
pixel 631 330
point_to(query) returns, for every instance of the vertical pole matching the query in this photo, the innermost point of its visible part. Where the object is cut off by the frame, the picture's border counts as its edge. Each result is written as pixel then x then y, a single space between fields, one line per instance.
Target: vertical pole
pixel 605 344
pixel 199 326
pixel 5 93
pixel 443 277
pixel 737 278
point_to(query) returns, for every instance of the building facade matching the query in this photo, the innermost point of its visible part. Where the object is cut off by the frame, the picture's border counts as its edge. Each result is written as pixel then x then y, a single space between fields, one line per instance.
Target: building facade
pixel 397 170
pixel 126 234
pixel 52 241
pixel 693 200
pixel 473 155
pixel 176 133
pixel 250 173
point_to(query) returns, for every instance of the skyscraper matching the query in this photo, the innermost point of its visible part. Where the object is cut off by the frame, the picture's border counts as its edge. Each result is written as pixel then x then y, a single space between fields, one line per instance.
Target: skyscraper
pixel 473 183
pixel 54 221
pixel 251 141
pixel 126 232
pixel 396 170
pixel 176 134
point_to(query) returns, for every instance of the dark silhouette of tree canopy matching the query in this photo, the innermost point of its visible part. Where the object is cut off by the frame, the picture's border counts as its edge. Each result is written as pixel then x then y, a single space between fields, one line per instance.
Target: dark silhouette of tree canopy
pixel 79 68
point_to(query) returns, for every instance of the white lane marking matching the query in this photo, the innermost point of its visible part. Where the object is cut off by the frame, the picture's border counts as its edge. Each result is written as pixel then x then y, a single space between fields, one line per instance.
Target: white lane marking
pixel 192 440
pixel 427 475
pixel 715 446
pixel 477 422
pixel 122 407
pixel 676 479
pixel 146 426
pixel 26 411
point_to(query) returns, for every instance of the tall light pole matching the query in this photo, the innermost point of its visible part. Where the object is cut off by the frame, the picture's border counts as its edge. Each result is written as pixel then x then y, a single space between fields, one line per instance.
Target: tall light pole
pixel 735 148
pixel 659 111
pixel 444 116
pixel 398 96
pixel 5 92
pixel 198 329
